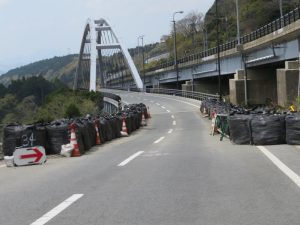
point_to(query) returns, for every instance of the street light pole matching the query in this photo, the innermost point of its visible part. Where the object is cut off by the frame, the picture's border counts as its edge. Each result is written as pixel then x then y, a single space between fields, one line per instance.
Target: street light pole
pixel 175 48
pixel 218 52
pixel 280 8
pixel 143 58
pixel 237 22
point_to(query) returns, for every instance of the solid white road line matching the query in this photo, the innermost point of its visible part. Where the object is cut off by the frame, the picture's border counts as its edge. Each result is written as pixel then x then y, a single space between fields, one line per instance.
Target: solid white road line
pixel 197 106
pixel 2 166
pixel 174 123
pixel 58 209
pixel 159 140
pixel 287 171
pixel 130 158
pixel 173 117
pixel 170 131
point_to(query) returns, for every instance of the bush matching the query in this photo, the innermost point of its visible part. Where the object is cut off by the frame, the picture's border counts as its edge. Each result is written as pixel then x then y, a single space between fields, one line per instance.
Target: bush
pixel 72 111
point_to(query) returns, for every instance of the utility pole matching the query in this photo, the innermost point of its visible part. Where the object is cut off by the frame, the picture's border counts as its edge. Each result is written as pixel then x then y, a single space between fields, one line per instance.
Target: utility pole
pixel 218 52
pixel 175 48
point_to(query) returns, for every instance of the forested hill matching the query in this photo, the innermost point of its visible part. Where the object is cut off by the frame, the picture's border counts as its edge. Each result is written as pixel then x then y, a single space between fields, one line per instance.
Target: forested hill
pixel 62 68
pixel 253 14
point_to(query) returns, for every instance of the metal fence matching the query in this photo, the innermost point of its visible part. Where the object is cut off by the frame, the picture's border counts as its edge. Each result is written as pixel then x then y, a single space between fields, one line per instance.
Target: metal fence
pixel 275 25
pixel 181 93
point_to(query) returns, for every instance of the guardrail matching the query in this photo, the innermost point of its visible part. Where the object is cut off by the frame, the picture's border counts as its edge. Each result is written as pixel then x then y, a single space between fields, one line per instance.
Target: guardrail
pixel 1 140
pixel 181 93
pixel 275 25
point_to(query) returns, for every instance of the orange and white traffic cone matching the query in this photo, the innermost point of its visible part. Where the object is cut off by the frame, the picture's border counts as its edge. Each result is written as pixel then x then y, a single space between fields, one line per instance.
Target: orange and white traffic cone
pixel 124 131
pixel 73 141
pixel 149 115
pixel 98 141
pixel 143 122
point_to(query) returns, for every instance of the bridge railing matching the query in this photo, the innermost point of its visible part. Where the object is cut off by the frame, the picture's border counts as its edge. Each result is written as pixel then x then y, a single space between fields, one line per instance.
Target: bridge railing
pixel 182 93
pixel 273 26
pixel 1 140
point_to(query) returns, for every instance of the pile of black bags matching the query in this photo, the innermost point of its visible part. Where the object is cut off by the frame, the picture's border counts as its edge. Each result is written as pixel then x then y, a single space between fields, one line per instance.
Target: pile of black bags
pixel 259 125
pixel 57 133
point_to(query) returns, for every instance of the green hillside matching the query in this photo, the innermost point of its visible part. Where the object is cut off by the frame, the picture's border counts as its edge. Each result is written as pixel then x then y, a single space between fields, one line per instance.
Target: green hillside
pixel 62 68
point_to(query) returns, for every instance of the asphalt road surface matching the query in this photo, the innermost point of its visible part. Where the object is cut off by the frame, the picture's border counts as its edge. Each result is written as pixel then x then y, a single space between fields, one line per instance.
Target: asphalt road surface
pixel 169 173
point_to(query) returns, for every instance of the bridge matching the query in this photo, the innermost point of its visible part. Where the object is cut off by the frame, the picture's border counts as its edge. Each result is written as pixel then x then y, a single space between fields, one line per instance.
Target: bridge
pixel 269 54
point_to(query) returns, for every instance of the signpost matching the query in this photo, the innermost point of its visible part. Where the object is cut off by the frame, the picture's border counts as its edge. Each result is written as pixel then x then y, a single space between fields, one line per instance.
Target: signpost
pixel 29 156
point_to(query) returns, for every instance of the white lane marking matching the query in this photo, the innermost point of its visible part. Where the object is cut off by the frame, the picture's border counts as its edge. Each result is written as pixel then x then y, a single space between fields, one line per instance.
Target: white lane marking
pixel 145 99
pixel 130 158
pixel 168 111
pixel 126 103
pixel 58 209
pixel 159 140
pixel 158 104
pixel 170 131
pixel 173 117
pixel 2 166
pixel 197 106
pixel 174 122
pixel 152 101
pixel 287 171
pixel 163 107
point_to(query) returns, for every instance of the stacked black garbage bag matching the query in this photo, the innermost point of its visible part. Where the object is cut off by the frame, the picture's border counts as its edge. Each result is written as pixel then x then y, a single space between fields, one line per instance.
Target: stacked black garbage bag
pixel 57 133
pixel 260 125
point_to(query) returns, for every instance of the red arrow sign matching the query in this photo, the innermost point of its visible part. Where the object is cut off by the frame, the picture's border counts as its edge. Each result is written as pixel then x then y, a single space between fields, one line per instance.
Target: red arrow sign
pixel 38 155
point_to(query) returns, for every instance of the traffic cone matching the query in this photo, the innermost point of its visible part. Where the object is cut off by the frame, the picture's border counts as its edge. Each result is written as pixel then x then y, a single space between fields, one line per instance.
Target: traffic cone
pixel 149 115
pixel 73 141
pixel 124 131
pixel 143 122
pixel 98 141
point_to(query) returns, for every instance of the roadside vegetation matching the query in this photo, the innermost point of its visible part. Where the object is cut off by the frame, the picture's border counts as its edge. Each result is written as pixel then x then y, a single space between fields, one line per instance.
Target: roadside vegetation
pixel 36 99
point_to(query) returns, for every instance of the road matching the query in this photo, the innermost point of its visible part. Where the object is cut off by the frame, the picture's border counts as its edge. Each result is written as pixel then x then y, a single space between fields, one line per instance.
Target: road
pixel 171 172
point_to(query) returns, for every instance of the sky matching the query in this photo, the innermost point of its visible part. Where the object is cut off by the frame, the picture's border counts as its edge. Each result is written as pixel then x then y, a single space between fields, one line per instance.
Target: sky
pixel 32 30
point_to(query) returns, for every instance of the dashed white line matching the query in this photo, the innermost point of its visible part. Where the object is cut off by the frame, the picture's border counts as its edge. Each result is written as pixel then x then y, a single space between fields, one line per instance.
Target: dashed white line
pixel 287 171
pixel 168 111
pixel 170 131
pixel 152 101
pixel 58 209
pixel 159 140
pixel 163 107
pixel 173 117
pixel 158 104
pixel 174 123
pixel 130 158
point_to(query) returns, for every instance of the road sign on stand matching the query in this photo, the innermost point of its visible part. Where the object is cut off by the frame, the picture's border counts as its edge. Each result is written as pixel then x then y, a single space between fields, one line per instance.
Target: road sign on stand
pixel 29 156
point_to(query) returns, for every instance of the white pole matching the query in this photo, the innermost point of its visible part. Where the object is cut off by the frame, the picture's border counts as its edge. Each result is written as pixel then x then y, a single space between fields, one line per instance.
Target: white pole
pixel 237 21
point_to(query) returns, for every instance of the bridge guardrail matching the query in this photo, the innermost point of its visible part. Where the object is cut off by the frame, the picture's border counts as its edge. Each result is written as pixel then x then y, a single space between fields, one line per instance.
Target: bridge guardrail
pixel 271 27
pixel 1 140
pixel 181 93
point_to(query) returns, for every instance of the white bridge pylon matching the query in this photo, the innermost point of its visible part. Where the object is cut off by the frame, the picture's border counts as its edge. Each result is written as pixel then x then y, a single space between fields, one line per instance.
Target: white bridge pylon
pixel 91 46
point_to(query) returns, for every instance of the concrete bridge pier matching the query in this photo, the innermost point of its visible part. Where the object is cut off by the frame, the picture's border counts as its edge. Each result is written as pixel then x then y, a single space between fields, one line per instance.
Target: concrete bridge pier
pixel 261 82
pixel 287 83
